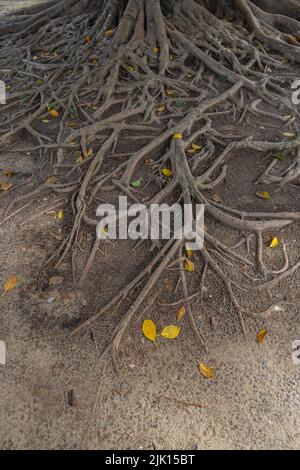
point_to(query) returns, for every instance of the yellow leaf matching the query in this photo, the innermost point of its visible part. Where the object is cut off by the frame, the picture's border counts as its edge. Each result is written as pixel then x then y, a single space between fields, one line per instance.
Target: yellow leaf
pixel 274 243
pixel 88 153
pixel 130 69
pixel 60 214
pixel 177 136
pixel 161 109
pixel 289 134
pixel 45 121
pixel 181 313
pixel 156 50
pixel 8 173
pixel 10 284
pixel 170 92
pixel 108 33
pixel 170 332
pixel 53 113
pixel 6 186
pixel 171 57
pixel 263 194
pixel 87 38
pixel 50 180
pixel 189 252
pixel 261 336
pixel 72 124
pixel 206 371
pixel 167 172
pixel 196 147
pixel 189 266
pixel 149 330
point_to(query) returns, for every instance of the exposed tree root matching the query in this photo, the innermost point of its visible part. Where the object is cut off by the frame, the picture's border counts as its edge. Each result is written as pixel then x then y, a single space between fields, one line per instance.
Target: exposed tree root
pixel 138 69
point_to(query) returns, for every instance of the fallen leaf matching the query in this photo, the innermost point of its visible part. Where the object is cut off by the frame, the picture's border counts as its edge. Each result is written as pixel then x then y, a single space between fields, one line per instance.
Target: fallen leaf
pixel 130 69
pixel 289 134
pixel 274 243
pixel 87 38
pixel 136 183
pixel 108 33
pixel 161 109
pixel 206 371
pixel 45 121
pixel 39 82
pixel 196 147
pixel 263 194
pixel 189 266
pixel 55 280
pixel 166 172
pixel 53 113
pixel 177 136
pixel 149 330
pixel 10 284
pixel 51 179
pixel 156 50
pixel 170 332
pixel 6 186
pixel 170 92
pixel 88 153
pixel 60 214
pixel 261 336
pixel 181 313
pixel 216 198
pixel 8 173
pixel 189 252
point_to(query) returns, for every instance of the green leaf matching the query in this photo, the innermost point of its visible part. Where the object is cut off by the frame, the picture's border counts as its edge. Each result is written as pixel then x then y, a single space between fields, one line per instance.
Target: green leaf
pixel 136 183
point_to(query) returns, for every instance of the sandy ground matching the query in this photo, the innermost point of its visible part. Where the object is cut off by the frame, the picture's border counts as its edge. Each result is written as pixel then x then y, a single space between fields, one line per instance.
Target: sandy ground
pixel 55 393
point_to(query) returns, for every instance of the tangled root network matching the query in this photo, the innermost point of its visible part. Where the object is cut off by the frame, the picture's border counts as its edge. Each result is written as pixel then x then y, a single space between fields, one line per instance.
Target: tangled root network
pixel 143 71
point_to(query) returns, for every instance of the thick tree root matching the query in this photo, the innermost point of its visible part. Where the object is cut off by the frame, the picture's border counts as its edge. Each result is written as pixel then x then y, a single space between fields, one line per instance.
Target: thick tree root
pixel 136 70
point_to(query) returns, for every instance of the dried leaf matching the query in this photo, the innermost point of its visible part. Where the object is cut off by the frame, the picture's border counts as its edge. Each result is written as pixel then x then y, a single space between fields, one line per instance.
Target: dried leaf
pixel 216 198
pixel 189 266
pixel 206 371
pixel 177 136
pixel 55 280
pixel 136 183
pixel 161 109
pixel 166 172
pixel 53 113
pixel 170 332
pixel 289 134
pixel 60 214
pixel 149 330
pixel 261 336
pixel 88 153
pixel 51 179
pixel 274 243
pixel 170 92
pixel 6 186
pixel 8 173
pixel 196 147
pixel 10 284
pixel 108 33
pixel 181 313
pixel 263 194
pixel 88 38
